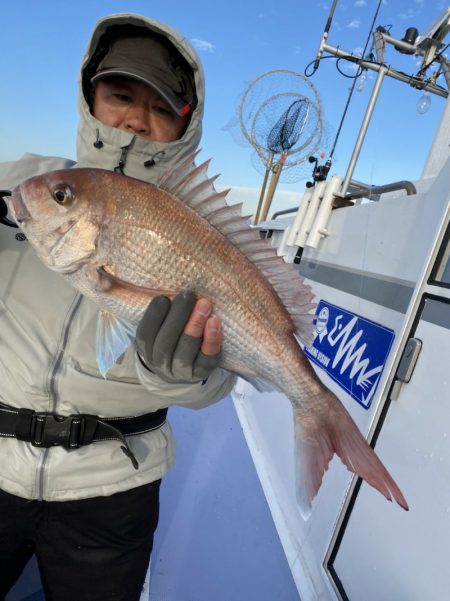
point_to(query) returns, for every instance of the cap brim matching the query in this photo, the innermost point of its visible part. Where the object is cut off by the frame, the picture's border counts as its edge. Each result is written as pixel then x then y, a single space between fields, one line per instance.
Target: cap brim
pixel 176 104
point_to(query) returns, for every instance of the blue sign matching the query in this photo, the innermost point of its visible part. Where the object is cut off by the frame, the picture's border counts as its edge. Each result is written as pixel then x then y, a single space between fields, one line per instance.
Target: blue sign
pixel 351 349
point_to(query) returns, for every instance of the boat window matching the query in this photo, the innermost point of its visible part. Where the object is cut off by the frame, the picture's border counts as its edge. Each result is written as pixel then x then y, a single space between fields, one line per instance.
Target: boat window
pixel 442 273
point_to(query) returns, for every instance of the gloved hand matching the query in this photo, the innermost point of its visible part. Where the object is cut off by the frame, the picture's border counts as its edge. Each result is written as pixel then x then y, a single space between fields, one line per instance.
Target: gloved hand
pixel 172 336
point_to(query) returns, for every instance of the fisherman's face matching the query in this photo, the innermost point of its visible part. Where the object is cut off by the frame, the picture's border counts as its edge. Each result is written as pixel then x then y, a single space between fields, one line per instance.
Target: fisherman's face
pixel 136 108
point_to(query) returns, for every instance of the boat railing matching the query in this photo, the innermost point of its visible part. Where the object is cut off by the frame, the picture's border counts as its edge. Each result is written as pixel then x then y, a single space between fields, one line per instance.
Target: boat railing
pixel 357 191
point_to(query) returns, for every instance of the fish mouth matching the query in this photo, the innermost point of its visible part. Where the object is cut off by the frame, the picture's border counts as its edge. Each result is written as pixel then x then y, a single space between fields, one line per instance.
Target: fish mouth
pixel 17 207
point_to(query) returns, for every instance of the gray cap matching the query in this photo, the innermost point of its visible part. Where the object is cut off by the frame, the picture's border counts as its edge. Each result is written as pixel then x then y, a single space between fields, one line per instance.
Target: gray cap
pixel 148 60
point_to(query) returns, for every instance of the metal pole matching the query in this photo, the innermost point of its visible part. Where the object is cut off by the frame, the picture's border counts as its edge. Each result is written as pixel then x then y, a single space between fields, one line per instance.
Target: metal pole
pixel 273 184
pixel 445 64
pixel 434 89
pixel 362 132
pixel 263 189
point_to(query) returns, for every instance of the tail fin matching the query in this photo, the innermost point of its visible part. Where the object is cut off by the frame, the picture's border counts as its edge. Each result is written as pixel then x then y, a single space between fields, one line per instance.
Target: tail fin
pixel 334 431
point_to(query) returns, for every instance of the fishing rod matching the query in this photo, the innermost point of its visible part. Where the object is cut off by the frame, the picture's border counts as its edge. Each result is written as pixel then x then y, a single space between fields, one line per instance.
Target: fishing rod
pixel 324 38
pixel 320 172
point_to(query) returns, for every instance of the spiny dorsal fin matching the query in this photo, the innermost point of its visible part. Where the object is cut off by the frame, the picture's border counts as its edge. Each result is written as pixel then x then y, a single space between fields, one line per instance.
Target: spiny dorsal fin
pixel 171 177
pixel 189 181
pixel 191 184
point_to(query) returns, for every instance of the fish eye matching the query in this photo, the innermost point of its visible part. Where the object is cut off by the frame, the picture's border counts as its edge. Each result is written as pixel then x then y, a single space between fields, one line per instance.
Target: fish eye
pixel 63 194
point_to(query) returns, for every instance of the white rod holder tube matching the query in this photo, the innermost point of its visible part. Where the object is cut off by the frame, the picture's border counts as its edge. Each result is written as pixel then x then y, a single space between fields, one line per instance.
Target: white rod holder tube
pixel 300 215
pixel 318 228
pixel 310 214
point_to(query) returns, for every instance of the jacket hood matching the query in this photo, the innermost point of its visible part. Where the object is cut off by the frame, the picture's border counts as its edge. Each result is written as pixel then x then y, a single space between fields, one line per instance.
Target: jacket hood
pixel 105 147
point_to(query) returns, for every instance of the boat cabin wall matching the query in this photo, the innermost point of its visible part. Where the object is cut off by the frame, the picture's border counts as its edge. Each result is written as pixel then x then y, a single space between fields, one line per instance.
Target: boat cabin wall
pixel 440 148
pixel 367 274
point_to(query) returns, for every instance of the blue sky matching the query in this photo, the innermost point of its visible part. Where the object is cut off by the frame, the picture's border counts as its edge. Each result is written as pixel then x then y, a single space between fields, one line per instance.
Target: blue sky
pixel 42 44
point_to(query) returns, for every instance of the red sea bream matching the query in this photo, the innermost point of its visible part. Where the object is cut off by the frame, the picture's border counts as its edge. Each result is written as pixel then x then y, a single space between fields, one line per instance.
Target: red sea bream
pixel 121 241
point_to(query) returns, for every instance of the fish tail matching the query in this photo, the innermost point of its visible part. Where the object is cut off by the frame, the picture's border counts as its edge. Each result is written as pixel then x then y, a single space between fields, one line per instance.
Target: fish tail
pixel 318 438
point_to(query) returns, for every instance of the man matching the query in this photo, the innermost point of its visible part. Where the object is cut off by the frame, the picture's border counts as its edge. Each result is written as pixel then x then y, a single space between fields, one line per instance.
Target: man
pixel 75 500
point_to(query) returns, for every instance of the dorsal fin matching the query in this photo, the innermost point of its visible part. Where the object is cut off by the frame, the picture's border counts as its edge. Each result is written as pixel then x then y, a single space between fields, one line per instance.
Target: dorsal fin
pixel 189 181
pixel 191 185
pixel 173 176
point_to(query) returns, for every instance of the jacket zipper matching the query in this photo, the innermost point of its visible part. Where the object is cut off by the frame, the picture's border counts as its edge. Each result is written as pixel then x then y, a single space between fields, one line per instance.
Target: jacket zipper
pixel 51 387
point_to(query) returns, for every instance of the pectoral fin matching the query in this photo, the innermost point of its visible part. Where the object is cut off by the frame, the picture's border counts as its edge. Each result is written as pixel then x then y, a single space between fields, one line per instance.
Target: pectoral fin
pixel 113 334
pixel 113 339
pixel 119 288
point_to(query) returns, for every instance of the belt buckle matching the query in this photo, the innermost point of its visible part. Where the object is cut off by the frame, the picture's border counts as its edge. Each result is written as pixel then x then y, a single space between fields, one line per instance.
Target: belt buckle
pixel 48 430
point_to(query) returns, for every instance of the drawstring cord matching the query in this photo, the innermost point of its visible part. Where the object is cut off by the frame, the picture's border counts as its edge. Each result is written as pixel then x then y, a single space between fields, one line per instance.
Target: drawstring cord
pixel 151 162
pixel 123 156
pixel 4 209
pixel 119 168
pixel 98 143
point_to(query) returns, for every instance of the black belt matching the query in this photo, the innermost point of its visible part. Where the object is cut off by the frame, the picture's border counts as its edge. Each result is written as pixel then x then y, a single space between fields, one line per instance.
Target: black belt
pixel 74 431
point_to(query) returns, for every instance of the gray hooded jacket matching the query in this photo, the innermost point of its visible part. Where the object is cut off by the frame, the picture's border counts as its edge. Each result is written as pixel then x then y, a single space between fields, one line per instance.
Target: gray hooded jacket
pixel 47 330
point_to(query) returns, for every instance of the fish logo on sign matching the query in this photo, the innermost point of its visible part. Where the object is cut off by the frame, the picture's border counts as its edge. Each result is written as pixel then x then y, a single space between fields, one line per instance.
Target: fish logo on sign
pixel 351 349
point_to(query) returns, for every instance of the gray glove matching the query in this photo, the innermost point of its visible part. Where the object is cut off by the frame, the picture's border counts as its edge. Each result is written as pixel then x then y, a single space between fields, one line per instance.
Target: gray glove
pixel 164 349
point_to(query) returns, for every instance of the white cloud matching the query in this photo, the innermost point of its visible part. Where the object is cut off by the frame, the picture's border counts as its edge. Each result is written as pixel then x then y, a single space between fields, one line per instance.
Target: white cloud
pixel 408 14
pixel 355 24
pixel 203 45
pixel 351 68
pixel 283 199
pixel 264 15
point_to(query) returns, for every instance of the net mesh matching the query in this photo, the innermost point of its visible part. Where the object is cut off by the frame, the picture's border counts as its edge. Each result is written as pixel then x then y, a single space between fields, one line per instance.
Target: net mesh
pixel 279 113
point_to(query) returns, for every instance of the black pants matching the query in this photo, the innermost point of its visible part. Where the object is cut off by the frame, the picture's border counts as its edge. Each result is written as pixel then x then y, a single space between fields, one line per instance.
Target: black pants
pixel 92 549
